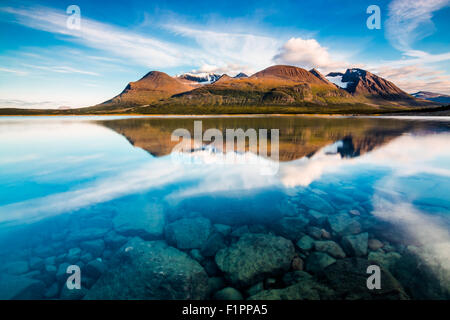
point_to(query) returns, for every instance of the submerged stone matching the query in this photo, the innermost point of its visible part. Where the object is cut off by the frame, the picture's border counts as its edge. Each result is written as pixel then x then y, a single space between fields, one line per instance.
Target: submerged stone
pixel 330 247
pixel 387 260
pixel 146 221
pixel 375 244
pixel 215 242
pixel 356 245
pixel 305 243
pixel 188 233
pixel 348 277
pixel 95 247
pixel 317 203
pixel 307 289
pixel 342 224
pixel 291 227
pixel 228 293
pixel 17 267
pixel 254 257
pixel 151 270
pixel 21 288
pixel 317 261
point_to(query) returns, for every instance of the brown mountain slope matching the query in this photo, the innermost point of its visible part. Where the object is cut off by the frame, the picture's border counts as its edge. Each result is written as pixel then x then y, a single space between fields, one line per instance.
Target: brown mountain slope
pixel 276 85
pixel 362 82
pixel 152 87
pixel 289 73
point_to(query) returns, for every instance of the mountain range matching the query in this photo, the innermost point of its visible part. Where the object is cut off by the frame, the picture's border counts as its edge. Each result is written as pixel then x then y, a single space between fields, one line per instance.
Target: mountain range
pixel 279 89
pixel 279 85
pixel 431 96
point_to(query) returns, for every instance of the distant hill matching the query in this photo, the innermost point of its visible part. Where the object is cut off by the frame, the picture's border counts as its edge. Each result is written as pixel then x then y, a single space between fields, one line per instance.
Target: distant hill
pixel 431 96
pixel 152 87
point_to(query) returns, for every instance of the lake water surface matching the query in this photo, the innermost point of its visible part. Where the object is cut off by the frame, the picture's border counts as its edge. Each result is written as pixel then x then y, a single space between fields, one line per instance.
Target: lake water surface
pixel 108 196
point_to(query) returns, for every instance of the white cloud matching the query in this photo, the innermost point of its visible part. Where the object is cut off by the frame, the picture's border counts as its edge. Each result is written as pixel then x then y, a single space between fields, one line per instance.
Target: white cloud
pixel 308 53
pixel 18 72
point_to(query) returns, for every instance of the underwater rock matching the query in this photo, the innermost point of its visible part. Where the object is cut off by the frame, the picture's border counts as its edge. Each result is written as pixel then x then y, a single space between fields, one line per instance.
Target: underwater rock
pixel 228 293
pixel 387 260
pixel 114 240
pixel 330 247
pixel 306 289
pixel 188 233
pixel 317 203
pixel 72 294
pixel 36 263
pixel 21 288
pixel 258 287
pixel 239 231
pixel 215 242
pixel 196 254
pixel 348 277
pixel 375 244
pixel 293 277
pixel 86 234
pixel 86 257
pixel 210 267
pixel 17 267
pixel 297 263
pixel 223 229
pixel 61 273
pixel 429 280
pixel 146 222
pixel 95 247
pixel 95 268
pixel 215 284
pixel 50 269
pixel 325 234
pixel 291 227
pixel 52 292
pixel 151 270
pixel 305 243
pixel 318 261
pixel 342 224
pixel 317 217
pixel 73 255
pixel 254 257
pixel 314 232
pixel 356 244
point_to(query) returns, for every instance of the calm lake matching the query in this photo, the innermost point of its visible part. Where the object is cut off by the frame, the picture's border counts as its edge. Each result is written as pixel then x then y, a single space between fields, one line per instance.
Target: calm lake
pixel 104 202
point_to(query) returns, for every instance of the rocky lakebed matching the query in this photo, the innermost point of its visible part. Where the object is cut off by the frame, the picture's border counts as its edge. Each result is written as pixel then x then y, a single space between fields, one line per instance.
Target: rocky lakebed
pixel 317 246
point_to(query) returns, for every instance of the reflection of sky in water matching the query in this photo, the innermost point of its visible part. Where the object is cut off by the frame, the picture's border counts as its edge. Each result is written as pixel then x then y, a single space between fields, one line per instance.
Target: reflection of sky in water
pixel 48 168
pixel 62 166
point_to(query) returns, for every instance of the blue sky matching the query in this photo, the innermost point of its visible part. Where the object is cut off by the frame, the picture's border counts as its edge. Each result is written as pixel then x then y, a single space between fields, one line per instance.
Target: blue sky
pixel 45 64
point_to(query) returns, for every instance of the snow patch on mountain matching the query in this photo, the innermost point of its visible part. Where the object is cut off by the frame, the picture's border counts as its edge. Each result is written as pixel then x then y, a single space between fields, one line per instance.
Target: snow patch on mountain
pixel 337 80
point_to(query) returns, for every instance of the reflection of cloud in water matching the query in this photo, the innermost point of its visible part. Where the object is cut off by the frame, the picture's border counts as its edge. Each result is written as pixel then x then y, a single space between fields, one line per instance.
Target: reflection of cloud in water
pixel 406 155
pixel 429 231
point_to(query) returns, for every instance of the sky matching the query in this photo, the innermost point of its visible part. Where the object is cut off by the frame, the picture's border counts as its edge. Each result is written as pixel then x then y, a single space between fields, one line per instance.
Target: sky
pixel 46 63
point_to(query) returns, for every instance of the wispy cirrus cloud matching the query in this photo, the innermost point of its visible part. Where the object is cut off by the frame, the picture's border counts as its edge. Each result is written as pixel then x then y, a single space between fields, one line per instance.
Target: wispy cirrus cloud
pixel 409 21
pixel 118 41
pixel 17 72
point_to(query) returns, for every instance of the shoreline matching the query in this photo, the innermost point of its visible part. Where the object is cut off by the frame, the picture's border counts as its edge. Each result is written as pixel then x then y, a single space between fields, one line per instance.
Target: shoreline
pixel 247 115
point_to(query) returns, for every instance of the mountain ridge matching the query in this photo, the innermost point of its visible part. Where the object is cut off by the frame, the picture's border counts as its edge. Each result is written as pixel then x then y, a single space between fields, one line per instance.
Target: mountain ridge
pixel 277 86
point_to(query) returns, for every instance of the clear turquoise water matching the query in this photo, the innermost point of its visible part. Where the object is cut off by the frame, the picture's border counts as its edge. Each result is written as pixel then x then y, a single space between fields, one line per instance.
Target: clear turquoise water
pixel 64 182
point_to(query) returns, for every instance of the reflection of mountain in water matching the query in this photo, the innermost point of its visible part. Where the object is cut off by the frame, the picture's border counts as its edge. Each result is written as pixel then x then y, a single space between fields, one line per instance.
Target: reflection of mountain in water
pixel 299 136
